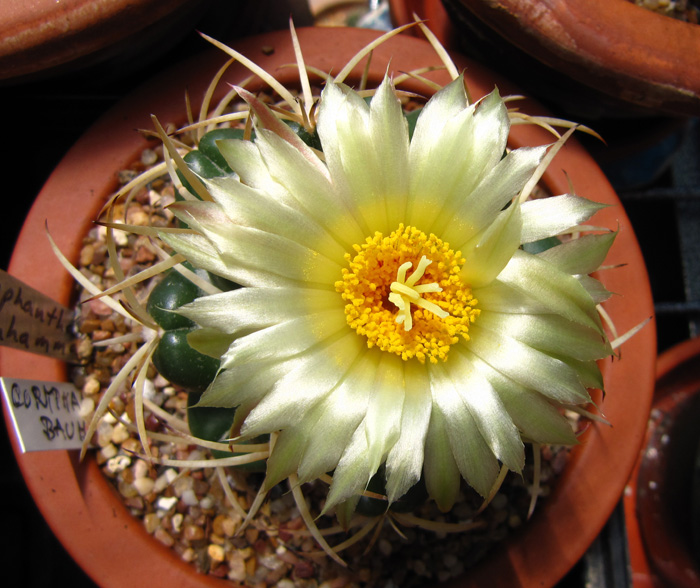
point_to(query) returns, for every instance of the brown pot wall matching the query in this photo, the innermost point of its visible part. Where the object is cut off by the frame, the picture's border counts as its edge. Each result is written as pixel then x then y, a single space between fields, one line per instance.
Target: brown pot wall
pixel 80 505
pixel 629 54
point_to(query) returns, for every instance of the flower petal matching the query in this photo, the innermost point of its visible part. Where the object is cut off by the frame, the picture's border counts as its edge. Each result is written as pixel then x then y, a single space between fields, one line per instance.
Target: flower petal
pixel 247 309
pixel 253 208
pixel 388 130
pixel 256 258
pixel 531 412
pixel 311 191
pixel 473 211
pixel 405 460
pixel 315 376
pixel 547 217
pixel 375 436
pixel 548 333
pixel 527 366
pixel 441 155
pixel 580 256
pixel 500 297
pixel 490 250
pixel 489 414
pixel 474 458
pixel 354 163
pixel 285 339
pixel 337 418
pixel 442 477
pixel 202 254
pixel 560 292
pixel 211 342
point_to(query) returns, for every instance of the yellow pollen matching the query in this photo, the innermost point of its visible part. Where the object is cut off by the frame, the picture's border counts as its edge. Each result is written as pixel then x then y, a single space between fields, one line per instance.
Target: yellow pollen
pixel 403 293
pixel 419 316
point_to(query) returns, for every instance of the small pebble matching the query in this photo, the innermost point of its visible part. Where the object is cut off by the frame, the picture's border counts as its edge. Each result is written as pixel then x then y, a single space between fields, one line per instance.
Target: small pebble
pixel 164 537
pixel 166 503
pixel 144 485
pixel 117 464
pixel 216 552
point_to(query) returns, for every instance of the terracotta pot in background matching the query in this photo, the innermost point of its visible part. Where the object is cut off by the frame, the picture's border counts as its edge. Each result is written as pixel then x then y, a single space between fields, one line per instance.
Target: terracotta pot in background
pixel 592 57
pixel 79 503
pixel 43 37
pixel 639 142
pixel 663 499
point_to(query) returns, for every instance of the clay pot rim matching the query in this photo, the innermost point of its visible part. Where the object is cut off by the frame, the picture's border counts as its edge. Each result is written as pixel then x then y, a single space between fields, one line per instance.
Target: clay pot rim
pixel 46 36
pixel 675 386
pixel 606 44
pixel 74 498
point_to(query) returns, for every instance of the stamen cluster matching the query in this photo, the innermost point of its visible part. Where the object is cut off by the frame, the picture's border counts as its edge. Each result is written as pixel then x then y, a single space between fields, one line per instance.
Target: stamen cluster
pixel 420 316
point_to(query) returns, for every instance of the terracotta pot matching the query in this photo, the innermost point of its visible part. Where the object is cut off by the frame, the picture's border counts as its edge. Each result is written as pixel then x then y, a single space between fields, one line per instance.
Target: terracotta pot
pixel 81 506
pixel 661 506
pixel 430 11
pixel 41 37
pixel 621 56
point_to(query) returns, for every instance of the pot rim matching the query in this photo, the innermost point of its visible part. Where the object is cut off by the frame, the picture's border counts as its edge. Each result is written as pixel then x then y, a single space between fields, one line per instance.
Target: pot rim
pixel 612 46
pixel 79 503
pixel 677 383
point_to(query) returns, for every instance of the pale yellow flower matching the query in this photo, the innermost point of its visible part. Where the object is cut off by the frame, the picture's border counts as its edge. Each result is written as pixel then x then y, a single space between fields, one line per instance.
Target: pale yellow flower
pixel 389 313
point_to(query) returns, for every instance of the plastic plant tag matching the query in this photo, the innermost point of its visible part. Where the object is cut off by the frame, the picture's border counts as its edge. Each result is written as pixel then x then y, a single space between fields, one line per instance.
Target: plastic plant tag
pixel 46 415
pixel 33 322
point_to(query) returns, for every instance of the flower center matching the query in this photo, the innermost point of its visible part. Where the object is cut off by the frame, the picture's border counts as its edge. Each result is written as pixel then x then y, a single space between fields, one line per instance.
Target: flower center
pixel 416 316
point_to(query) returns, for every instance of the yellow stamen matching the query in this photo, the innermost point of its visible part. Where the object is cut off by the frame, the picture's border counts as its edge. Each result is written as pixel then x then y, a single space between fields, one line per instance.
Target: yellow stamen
pixel 380 297
pixel 403 289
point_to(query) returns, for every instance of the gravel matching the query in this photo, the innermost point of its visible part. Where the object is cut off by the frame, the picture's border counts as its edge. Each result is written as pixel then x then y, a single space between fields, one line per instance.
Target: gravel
pixel 188 510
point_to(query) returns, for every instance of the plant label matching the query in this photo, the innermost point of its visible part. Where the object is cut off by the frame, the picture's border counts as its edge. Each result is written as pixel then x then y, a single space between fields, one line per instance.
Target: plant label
pixel 46 415
pixel 33 322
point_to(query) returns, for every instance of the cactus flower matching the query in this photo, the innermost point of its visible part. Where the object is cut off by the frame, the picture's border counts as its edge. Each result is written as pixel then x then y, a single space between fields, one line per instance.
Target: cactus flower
pixel 392 314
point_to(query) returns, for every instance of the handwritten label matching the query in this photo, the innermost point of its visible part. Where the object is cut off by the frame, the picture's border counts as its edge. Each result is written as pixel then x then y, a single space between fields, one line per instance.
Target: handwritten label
pixel 31 321
pixel 45 414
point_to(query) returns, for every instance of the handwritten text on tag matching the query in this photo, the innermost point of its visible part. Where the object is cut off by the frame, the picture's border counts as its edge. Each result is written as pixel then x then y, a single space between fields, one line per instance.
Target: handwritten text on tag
pixel 45 414
pixel 31 321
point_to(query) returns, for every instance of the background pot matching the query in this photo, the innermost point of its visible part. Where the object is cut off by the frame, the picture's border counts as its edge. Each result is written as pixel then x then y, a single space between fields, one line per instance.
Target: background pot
pixel 590 56
pixel 663 500
pixel 81 506
pixel 42 37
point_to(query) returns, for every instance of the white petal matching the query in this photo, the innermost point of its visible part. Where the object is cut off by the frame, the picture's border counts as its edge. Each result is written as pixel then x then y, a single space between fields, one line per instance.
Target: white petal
pixel 405 460
pixel 202 254
pixel 244 158
pixel 473 211
pixel 489 251
pixel 210 342
pixel 311 191
pixel 343 125
pixel 549 333
pixel 473 457
pixel 246 384
pixel 531 412
pixel 559 292
pixel 442 477
pixel 547 217
pixel 255 308
pixel 285 339
pixel 337 418
pixel 439 159
pixel 580 256
pixel 383 419
pixel 389 136
pixel 527 366
pixel 488 412
pixel 256 258
pixel 253 208
pixel 376 434
pixel 316 374
pixel 500 297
